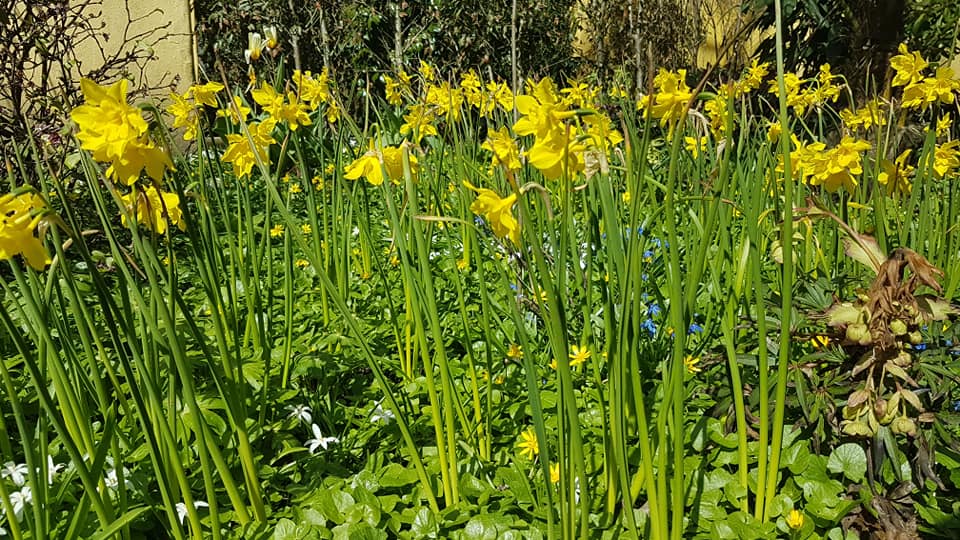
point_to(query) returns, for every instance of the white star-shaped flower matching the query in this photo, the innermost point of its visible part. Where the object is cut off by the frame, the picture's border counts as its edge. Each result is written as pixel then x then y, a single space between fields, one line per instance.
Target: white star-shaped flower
pixel 16 472
pixel 182 508
pixel 318 440
pixel 302 412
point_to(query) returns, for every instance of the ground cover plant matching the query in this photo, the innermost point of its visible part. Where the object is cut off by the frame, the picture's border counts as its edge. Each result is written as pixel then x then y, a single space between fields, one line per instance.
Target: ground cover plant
pixel 476 311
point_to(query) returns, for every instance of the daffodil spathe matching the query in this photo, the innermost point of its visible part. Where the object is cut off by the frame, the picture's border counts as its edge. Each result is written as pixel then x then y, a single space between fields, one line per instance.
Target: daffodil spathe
pixel 154 209
pixel 19 217
pixel 497 211
pixel 115 132
pixel 375 162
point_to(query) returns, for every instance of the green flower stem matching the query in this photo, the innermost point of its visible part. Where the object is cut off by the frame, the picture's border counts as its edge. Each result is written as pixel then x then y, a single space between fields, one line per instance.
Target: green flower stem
pixel 786 288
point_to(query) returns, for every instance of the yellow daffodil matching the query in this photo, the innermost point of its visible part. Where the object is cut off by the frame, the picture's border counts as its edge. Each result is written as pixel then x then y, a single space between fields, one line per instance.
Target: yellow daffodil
pixel 153 208
pixel 393 91
pixel 427 71
pixel 694 145
pixel 242 155
pixel 671 97
pixel 206 94
pixel 895 175
pixel 503 148
pixel 418 122
pixel 236 115
pixel 497 211
pixel 184 116
pixel 20 217
pixel 115 132
pixel 528 444
pixel 908 66
pixel 375 162
pixel 946 159
pixel 313 91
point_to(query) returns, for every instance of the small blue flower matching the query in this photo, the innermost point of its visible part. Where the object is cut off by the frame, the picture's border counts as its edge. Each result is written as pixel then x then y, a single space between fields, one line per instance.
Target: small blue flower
pixel 694 328
pixel 649 326
pixel 920 347
pixel 644 277
pixel 648 254
pixel 653 310
pixel 478 221
pixel 956 406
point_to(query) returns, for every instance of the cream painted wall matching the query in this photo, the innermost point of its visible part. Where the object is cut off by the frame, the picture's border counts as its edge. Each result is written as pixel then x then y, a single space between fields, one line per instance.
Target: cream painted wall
pixel 173 52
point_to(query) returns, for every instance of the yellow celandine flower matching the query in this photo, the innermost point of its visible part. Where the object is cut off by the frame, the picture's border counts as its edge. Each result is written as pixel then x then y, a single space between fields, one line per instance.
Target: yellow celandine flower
pixel 115 132
pixel 20 216
pixel 895 175
pixel 419 122
pixel 691 363
pixel 153 208
pixel 276 231
pixel 500 143
pixel 301 263
pixel 184 115
pixel 515 351
pixel 375 162
pixel 306 228
pixel 554 473
pixel 242 155
pixel 671 97
pixel 579 356
pixel 206 94
pixel 295 188
pixel 236 115
pixel 908 65
pixel 795 519
pixel 528 444
pixel 820 341
pixel 497 211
